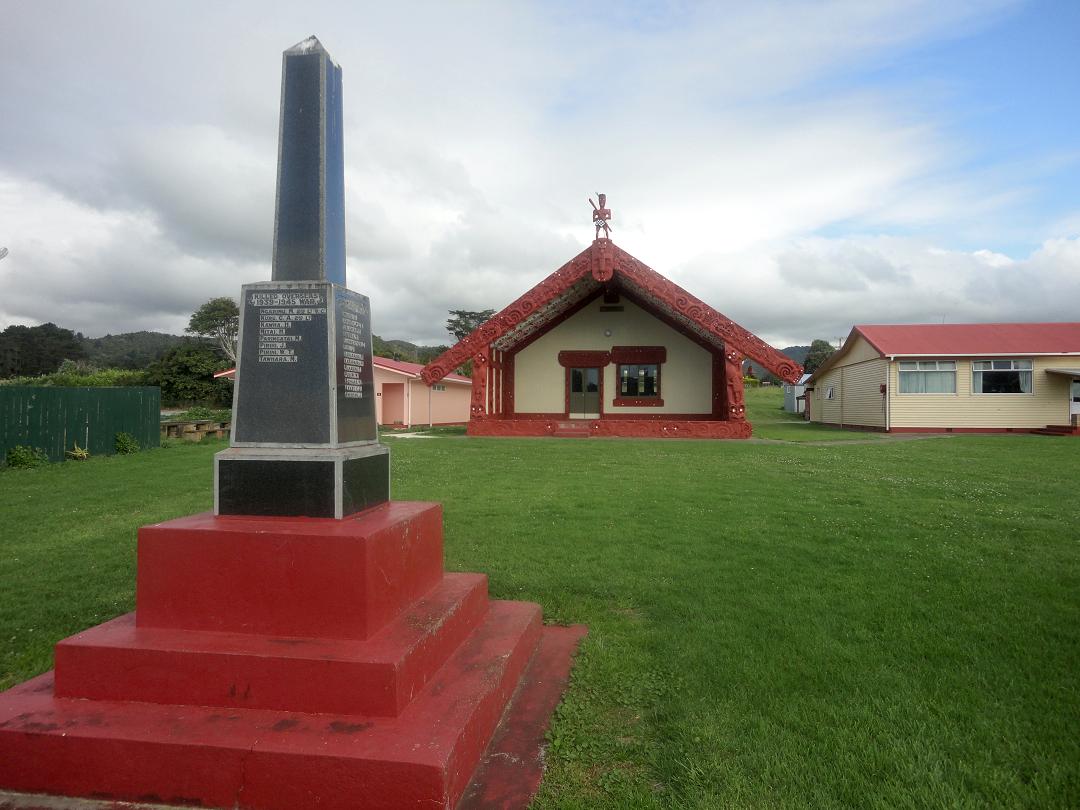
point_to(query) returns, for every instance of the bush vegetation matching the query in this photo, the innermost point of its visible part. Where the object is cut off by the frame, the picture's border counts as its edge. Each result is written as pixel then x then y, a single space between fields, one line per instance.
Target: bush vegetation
pixel 126 444
pixel 23 457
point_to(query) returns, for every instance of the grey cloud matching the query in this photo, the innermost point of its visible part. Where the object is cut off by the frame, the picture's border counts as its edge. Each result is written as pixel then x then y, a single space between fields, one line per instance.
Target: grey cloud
pixel 144 153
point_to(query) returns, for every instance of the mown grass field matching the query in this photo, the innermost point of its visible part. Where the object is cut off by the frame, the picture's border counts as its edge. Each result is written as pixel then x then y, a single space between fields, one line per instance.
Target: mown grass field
pixel 779 624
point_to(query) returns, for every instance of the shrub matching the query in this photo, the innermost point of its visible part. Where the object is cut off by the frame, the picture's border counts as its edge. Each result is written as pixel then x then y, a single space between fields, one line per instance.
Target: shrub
pixel 23 457
pixel 126 443
pixel 72 375
pixel 198 413
pixel 78 454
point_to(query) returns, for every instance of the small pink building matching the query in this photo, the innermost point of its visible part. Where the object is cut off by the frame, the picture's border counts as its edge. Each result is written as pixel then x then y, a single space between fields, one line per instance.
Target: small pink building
pixel 402 398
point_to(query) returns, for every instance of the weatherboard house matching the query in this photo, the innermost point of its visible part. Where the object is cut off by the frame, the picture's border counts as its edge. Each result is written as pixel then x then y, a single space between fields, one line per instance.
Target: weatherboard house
pixel 986 377
pixel 606 346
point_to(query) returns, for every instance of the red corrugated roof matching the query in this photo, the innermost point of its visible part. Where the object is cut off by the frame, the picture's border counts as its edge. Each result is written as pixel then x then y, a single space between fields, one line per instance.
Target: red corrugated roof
pixel 412 369
pixel 972 338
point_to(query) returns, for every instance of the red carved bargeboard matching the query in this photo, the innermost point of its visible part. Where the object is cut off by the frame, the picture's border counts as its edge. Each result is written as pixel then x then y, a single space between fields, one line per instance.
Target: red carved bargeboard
pixel 623 428
pixel 640 278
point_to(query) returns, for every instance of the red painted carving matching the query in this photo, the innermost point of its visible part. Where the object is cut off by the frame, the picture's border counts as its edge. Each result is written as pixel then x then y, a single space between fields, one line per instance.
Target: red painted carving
pixel 502 322
pixel 478 408
pixel 508 386
pixel 717 385
pixel 584 359
pixel 651 285
pixel 736 408
pixel 704 316
pixel 638 402
pixel 602 264
pixel 638 354
pixel 601 215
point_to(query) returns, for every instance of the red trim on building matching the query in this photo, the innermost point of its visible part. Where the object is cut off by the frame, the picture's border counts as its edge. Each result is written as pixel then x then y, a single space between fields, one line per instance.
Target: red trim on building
pixel 584 359
pixel 654 285
pixel 638 402
pixel 639 355
pixel 943 429
pixel 661 427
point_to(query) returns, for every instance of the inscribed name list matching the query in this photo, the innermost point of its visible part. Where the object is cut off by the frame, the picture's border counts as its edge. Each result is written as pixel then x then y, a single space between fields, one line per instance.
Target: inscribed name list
pixel 279 313
pixel 354 315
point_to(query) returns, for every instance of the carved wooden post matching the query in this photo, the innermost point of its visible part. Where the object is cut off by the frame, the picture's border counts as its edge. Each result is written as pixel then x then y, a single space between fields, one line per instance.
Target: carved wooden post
pixel 736 407
pixel 478 410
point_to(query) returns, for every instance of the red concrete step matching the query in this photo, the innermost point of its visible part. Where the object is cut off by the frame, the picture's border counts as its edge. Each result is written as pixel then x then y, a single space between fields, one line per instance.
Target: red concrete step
pixel 273 760
pixel 302 577
pixel 380 676
pixel 1058 430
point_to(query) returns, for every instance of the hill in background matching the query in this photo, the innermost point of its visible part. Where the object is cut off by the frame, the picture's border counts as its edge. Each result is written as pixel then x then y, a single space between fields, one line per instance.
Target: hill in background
pixel 796 353
pixel 132 350
pixel 403 350
pixel 137 350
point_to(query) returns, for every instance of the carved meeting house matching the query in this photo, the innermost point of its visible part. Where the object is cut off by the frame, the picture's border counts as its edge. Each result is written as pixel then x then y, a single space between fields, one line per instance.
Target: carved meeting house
pixel 606 346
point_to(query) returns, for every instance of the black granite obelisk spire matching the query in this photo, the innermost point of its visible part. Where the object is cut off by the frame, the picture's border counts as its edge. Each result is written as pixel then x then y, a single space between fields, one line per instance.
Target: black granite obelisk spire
pixel 309 222
pixel 304 438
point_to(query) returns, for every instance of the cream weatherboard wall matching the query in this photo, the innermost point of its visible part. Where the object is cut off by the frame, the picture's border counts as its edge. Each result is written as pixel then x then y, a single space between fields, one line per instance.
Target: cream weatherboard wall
pixel 856 389
pixel 857 401
pixel 685 379
pixel 857 398
pixel 1047 404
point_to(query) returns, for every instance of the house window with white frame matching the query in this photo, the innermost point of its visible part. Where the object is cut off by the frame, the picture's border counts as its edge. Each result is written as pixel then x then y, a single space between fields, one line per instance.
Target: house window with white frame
pixel 928 377
pixel 438 387
pixel 1001 377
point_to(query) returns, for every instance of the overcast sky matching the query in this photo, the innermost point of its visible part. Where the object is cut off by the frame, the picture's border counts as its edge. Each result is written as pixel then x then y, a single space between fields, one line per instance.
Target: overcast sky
pixel 801 166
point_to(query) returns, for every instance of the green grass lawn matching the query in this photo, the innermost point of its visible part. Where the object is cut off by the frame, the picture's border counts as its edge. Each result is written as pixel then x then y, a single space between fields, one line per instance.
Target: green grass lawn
pixel 764 411
pixel 891 624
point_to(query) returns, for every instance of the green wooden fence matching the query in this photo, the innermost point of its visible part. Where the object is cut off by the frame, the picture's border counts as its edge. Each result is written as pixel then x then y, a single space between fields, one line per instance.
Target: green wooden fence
pixel 55 419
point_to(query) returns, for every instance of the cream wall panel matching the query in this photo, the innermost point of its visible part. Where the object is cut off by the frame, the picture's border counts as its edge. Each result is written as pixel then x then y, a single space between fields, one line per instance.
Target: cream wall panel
pixel 860 393
pixel 1048 404
pixel 685 379
pixel 823 409
pixel 859 351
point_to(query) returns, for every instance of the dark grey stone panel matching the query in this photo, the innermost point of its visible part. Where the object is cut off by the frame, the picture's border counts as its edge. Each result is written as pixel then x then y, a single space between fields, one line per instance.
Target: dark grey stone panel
pixel 365 482
pixel 283 386
pixel 355 376
pixel 276 487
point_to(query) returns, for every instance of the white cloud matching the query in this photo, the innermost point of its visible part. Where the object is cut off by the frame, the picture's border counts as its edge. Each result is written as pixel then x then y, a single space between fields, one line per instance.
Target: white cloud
pixel 820 288
pixel 140 180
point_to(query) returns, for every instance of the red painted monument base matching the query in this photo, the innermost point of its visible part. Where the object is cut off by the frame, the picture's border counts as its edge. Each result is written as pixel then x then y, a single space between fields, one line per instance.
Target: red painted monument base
pixel 280 663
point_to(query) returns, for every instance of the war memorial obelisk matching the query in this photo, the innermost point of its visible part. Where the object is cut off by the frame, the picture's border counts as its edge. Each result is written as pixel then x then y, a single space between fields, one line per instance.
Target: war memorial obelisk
pixel 301 646
pixel 304 439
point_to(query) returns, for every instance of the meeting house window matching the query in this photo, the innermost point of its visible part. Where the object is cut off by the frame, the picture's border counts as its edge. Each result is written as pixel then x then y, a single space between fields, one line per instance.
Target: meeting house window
pixel 928 377
pixel 1001 377
pixel 639 380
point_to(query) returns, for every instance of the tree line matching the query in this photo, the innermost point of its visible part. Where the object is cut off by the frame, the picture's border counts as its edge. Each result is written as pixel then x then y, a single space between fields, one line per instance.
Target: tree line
pixel 184 367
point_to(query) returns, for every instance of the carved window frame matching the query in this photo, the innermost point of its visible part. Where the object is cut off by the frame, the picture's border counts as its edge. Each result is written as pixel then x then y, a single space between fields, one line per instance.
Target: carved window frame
pixel 653 400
